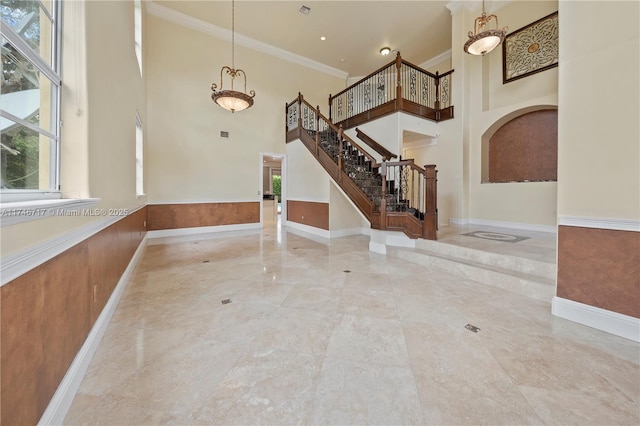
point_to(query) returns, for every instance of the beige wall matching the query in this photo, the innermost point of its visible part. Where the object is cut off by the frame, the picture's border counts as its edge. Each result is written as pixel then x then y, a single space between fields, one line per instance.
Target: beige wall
pixel 187 160
pixel 102 88
pixel 598 133
pixel 486 101
pixel 306 179
pixel 342 214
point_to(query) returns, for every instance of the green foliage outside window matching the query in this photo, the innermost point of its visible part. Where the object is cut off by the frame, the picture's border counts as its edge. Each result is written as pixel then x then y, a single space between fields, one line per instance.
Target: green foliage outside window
pixel 277 186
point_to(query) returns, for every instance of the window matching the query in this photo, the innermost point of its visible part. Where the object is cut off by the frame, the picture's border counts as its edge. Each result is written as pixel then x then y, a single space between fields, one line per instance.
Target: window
pixel 137 31
pixel 139 154
pixel 29 106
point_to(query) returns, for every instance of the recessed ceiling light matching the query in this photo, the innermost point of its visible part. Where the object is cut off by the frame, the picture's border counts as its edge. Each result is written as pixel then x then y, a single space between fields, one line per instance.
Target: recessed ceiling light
pixel 385 51
pixel 323 38
pixel 305 9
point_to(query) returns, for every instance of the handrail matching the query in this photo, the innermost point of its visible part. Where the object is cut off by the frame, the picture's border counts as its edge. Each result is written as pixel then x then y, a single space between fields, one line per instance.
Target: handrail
pixel 408 162
pixel 382 68
pixel 396 86
pixel 341 133
pixel 384 152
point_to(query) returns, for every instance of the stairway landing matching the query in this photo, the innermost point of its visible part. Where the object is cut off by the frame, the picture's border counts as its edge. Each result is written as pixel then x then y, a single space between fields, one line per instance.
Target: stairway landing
pixel 522 262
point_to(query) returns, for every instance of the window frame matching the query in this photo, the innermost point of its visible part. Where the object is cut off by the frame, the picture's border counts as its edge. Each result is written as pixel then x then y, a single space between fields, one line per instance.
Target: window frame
pixel 53 73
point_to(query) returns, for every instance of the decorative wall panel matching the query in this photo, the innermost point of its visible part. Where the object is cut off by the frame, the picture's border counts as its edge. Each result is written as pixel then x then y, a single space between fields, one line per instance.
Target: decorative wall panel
pixel 600 267
pixel 175 216
pixel 309 213
pixel 530 49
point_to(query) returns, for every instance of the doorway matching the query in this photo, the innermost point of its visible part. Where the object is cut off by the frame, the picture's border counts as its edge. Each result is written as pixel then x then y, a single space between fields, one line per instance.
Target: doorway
pixel 272 182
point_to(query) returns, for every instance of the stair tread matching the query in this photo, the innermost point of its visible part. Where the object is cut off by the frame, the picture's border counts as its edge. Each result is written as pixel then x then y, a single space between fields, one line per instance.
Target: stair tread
pixel 480 265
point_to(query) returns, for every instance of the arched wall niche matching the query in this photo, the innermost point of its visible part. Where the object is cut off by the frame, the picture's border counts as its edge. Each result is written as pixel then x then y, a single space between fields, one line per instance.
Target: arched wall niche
pixel 522 146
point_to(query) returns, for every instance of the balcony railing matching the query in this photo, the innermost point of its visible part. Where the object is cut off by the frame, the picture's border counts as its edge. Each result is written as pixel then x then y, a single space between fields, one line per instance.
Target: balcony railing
pixel 398 86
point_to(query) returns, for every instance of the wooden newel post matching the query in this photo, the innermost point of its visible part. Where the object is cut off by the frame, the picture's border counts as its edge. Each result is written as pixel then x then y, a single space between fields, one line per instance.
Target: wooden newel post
pixel 317 131
pixel 436 104
pixel 383 195
pixel 399 81
pixel 430 224
pixel 300 111
pixel 330 109
pixel 340 155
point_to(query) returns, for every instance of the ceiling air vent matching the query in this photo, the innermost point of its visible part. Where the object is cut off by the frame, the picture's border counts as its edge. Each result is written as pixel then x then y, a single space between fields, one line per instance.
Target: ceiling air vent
pixel 305 9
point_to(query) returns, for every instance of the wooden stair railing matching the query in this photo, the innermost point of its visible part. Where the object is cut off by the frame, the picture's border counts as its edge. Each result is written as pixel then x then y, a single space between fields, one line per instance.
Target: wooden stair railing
pixel 397 86
pixel 399 196
pixel 416 194
pixel 384 152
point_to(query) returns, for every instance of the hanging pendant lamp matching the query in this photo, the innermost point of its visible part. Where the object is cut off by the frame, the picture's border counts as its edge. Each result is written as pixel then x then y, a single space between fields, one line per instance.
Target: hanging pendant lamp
pixel 483 40
pixel 232 100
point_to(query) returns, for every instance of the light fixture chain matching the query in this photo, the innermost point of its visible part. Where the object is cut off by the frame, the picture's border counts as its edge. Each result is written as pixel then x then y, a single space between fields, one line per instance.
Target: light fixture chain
pixel 233 34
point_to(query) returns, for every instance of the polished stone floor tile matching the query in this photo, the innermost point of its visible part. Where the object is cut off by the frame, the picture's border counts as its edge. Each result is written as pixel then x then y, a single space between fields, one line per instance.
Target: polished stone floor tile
pixel 265 387
pixel 359 393
pixel 369 339
pixel 279 327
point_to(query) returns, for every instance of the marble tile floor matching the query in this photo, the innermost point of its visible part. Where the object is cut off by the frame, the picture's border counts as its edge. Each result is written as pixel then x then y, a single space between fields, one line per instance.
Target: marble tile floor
pixel 325 332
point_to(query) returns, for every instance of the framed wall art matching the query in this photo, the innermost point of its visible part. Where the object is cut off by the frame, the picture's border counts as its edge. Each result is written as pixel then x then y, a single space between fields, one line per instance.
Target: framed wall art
pixel 530 49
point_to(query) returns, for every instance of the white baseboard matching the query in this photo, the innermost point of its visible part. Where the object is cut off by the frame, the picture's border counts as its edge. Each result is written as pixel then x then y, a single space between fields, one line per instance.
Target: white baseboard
pixel 345 232
pixel 323 233
pixel 600 223
pixel 598 318
pixel 179 232
pixel 501 224
pixel 63 397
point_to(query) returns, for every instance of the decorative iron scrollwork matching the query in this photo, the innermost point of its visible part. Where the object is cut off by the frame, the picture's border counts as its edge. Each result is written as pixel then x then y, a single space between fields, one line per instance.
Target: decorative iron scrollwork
pixel 412 83
pixel 292 120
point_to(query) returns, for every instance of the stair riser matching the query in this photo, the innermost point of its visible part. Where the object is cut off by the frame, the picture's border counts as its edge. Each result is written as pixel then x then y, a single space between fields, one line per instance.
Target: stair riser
pixel 543 269
pixel 524 287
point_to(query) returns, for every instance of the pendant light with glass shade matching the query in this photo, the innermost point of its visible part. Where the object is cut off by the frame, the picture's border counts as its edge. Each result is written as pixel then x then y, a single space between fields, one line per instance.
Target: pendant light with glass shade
pixel 483 40
pixel 230 99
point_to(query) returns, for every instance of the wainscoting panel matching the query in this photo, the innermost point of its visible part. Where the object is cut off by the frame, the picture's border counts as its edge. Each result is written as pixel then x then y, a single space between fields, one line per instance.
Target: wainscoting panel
pixel 309 213
pixel 600 267
pixel 48 312
pixel 174 216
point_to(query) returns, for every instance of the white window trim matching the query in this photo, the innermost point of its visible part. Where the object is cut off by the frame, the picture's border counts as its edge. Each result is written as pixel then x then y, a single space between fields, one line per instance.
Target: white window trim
pixel 9 199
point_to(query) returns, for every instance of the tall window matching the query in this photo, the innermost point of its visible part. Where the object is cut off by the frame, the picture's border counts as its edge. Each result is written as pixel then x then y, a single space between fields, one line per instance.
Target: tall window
pixel 139 158
pixel 30 98
pixel 137 31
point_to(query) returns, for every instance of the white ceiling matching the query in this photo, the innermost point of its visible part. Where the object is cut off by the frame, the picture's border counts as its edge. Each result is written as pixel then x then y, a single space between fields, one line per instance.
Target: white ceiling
pixel 355 31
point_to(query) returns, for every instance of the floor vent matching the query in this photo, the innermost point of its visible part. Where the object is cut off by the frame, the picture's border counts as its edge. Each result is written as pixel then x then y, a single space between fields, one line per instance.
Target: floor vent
pixel 472 328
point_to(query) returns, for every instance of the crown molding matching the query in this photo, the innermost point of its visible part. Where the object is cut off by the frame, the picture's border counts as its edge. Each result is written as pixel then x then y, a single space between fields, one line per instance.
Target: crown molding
pixel 190 22
pixel 491 6
pixel 436 59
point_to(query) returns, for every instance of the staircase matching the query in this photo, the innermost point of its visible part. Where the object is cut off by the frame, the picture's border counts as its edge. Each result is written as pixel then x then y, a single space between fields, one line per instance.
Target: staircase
pixel 398 196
